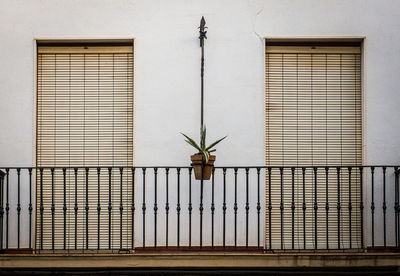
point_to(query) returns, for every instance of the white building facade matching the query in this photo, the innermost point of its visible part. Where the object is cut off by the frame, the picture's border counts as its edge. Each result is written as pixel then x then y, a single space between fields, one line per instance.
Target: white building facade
pixel 165 100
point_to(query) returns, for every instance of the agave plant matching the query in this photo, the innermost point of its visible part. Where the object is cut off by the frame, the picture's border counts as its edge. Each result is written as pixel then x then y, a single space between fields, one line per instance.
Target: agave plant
pixel 202 148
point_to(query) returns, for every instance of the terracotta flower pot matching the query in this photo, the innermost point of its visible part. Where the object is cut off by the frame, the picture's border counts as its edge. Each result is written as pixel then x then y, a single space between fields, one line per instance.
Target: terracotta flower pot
pixel 200 170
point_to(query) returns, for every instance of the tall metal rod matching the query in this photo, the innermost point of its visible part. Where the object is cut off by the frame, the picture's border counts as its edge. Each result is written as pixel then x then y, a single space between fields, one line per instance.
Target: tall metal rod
pixel 202 36
pixel 201 208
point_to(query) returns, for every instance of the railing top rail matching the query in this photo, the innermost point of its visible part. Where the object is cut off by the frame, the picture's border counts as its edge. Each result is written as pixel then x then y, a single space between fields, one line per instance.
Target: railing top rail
pixel 187 167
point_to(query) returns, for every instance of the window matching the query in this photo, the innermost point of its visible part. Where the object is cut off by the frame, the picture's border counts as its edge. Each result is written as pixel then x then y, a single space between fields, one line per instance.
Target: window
pixel 84 118
pixel 313 118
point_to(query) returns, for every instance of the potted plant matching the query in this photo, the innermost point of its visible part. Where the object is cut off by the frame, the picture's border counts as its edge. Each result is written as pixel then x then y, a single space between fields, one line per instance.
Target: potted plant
pixel 203 161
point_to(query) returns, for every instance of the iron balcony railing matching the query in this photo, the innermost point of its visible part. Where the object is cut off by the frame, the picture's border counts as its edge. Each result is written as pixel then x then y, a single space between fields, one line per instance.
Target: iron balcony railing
pixel 258 208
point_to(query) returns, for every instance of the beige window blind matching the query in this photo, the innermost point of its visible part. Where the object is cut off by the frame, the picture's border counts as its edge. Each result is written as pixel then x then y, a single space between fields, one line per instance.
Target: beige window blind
pixel 84 119
pixel 313 118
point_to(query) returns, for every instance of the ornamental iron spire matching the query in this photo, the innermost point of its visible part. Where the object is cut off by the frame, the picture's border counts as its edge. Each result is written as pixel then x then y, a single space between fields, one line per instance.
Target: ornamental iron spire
pixel 202 36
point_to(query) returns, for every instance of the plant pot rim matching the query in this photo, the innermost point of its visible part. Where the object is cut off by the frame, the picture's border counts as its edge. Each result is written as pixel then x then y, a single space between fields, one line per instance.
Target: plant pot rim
pixel 212 157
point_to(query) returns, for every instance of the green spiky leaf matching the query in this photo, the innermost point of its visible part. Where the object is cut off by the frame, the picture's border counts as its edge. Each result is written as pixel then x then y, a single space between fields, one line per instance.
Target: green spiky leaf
pixel 214 144
pixel 205 151
pixel 191 142
pixel 203 137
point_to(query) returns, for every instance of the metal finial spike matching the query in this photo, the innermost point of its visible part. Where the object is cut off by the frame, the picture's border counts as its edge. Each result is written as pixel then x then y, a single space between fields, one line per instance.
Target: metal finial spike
pixel 203 32
pixel 202 23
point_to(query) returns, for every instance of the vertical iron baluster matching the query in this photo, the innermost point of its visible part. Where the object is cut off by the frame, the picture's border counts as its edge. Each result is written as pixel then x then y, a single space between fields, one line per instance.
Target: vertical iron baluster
pixel 212 209
pixel 293 206
pixel 338 205
pixel 98 207
pixel 166 206
pixel 144 208
pixel 121 206
pixel 269 208
pixel 178 206
pixel 315 210
pixel 372 207
pixel 247 208
pixel 201 206
pixel 155 207
pixel 87 205
pixel 190 207
pixel 133 209
pixel 41 208
pixel 76 206
pixel 384 206
pixel 235 208
pixel 52 208
pixel 281 207
pixel 109 206
pixel 19 207
pixel 350 208
pixel 361 208
pixel 30 208
pixel 1 209
pixel 65 207
pixel 327 205
pixel 258 208
pixel 224 208
pixel 396 206
pixel 304 206
pixel 8 204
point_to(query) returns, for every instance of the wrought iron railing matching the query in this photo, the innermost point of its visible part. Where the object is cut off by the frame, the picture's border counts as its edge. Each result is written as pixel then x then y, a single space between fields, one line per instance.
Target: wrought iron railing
pixel 255 208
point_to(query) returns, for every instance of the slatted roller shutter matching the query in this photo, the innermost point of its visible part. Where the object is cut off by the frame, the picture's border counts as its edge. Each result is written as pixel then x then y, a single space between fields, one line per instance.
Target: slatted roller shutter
pixel 84 118
pixel 313 118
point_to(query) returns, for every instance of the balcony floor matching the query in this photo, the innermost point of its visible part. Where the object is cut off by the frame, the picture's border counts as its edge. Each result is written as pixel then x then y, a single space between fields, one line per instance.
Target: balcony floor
pixel 203 262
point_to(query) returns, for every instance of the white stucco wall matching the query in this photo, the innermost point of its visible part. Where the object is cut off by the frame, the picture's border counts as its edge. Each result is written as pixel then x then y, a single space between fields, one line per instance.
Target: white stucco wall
pixel 167 75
